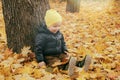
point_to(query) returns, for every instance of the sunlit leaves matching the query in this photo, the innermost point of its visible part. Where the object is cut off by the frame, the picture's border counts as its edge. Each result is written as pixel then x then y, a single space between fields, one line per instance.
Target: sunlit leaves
pixel 92 31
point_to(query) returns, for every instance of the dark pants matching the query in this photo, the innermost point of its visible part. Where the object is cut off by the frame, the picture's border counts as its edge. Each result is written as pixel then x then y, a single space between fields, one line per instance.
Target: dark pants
pixel 50 60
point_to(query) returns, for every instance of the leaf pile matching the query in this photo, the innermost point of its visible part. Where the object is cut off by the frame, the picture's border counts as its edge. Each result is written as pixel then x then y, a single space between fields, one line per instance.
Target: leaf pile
pixel 94 31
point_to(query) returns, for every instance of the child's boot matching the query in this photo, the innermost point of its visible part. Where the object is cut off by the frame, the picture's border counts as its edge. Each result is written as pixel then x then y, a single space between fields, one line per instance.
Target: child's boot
pixel 72 66
pixel 88 61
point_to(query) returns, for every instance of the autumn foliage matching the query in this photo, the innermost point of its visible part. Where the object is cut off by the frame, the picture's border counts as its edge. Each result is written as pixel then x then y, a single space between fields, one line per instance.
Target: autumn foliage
pixel 95 31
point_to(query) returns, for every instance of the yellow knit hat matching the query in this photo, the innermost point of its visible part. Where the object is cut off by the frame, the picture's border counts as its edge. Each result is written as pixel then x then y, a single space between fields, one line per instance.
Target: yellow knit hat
pixel 52 17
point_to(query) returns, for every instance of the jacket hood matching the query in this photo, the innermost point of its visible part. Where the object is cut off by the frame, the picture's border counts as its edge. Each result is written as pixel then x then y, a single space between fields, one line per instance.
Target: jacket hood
pixel 44 29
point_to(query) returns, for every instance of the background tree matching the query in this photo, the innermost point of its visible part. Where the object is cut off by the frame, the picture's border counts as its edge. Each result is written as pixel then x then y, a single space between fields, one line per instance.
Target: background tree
pixel 22 18
pixel 116 6
pixel 73 5
pixel 62 1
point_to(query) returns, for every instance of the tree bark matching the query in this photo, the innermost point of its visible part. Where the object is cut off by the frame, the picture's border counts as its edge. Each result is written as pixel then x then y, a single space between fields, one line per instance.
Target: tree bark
pixel 73 6
pixel 22 19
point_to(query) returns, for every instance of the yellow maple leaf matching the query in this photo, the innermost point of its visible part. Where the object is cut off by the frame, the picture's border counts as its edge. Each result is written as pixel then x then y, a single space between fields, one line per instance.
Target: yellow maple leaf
pixel 1 57
pixel 23 77
pixel 15 66
pixel 25 70
pixel 34 63
pixel 25 51
pixel 20 60
pixel 81 78
pixel 48 77
pixel 7 62
pixel 93 75
pixel 6 71
pixel 2 77
pixel 37 73
pixel 27 77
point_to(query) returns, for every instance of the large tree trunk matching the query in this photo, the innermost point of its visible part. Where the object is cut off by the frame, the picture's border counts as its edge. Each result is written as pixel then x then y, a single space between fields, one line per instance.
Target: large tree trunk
pixel 22 18
pixel 73 5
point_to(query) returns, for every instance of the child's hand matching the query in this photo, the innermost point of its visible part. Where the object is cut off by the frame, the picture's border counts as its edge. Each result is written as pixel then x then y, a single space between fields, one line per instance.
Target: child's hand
pixel 42 64
pixel 66 52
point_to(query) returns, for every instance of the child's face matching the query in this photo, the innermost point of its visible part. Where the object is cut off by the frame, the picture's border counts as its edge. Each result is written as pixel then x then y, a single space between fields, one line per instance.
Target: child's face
pixel 55 27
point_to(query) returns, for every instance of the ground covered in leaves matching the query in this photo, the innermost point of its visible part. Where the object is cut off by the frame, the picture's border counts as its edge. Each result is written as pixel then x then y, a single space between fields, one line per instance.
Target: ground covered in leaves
pixel 95 31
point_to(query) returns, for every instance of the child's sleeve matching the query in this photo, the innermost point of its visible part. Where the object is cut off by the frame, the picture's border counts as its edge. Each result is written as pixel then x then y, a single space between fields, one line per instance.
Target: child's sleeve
pixel 39 45
pixel 64 47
